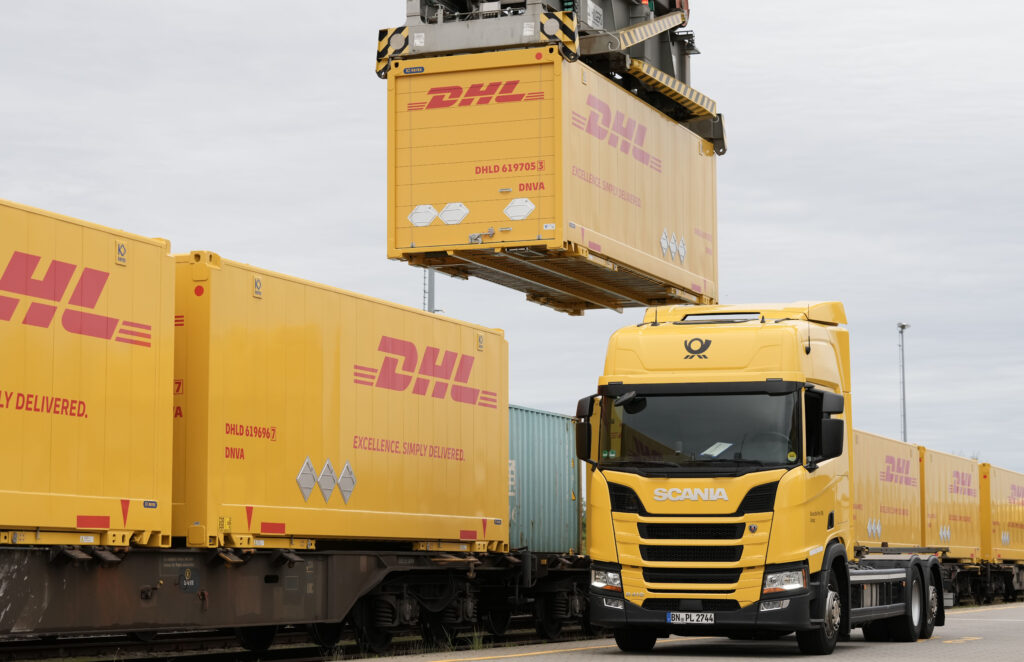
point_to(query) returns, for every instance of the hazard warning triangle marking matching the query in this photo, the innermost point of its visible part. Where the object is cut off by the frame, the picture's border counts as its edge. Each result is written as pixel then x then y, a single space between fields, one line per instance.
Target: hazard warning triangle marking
pixel 124 511
pixel 248 517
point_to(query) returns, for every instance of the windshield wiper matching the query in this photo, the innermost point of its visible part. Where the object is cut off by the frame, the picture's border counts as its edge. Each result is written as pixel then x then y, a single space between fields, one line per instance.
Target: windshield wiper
pixel 721 460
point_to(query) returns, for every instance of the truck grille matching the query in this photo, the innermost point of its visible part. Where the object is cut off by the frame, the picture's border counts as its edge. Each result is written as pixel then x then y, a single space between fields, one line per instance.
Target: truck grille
pixel 691 531
pixel 677 604
pixel 691 576
pixel 691 553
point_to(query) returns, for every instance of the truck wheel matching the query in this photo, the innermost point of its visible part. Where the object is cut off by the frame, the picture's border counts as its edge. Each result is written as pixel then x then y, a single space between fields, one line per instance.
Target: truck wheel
pixel 633 641
pixel 908 626
pixel 822 639
pixel 876 631
pixel 931 607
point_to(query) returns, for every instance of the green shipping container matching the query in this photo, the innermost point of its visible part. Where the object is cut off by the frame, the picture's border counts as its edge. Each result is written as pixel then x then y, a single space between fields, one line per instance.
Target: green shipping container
pixel 544 482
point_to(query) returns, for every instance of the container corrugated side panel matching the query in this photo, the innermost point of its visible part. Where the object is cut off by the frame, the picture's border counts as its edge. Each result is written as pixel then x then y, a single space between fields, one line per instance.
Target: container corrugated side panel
pixel 886 491
pixel 330 414
pixel 952 504
pixel 1004 539
pixel 85 385
pixel 544 481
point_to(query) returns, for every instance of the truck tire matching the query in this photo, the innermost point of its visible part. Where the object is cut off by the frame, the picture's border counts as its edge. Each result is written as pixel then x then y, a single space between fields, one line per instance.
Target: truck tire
pixel 908 626
pixel 633 641
pixel 931 610
pixel 822 639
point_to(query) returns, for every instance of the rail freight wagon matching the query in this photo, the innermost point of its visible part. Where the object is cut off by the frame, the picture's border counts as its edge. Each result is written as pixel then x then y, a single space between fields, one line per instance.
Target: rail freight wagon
pixel 197 443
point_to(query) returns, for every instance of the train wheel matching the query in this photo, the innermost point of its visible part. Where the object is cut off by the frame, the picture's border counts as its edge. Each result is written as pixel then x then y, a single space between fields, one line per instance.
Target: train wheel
pixel 931 607
pixel 496 621
pixel 822 640
pixel 633 641
pixel 908 626
pixel 325 635
pixel 436 633
pixel 256 638
pixel 545 622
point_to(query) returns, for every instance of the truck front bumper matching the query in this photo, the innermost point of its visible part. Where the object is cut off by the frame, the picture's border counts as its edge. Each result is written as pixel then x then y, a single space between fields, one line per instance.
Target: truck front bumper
pixel 749 619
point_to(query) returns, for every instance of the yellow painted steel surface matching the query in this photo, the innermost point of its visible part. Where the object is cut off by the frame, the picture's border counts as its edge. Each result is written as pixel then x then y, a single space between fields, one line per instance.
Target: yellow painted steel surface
pixel 305 413
pixel 1002 512
pixel 85 389
pixel 522 149
pixel 771 346
pixel 886 489
pixel 951 493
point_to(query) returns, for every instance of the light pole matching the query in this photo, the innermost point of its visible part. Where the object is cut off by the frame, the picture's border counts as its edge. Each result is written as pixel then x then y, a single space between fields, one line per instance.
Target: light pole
pixel 903 383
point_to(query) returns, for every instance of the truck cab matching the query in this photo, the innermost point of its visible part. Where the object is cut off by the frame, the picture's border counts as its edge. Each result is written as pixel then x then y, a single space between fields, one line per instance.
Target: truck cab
pixel 718 486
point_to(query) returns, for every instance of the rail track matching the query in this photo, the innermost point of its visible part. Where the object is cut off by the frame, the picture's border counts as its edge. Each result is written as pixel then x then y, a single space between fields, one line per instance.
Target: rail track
pixel 291 644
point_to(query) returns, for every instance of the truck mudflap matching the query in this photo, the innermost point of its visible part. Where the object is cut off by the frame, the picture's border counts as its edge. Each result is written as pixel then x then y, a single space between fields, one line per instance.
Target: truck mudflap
pixel 794 616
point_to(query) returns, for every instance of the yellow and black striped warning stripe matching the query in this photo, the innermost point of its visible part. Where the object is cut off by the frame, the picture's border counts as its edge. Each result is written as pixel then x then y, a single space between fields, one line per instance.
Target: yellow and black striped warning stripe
pixel 561 25
pixel 675 89
pixel 643 31
pixel 387 50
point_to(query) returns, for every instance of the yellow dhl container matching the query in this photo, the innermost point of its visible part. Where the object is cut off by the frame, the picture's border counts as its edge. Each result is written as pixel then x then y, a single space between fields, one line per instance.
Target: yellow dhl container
pixel 85 389
pixel 951 493
pixel 305 413
pixel 541 174
pixel 1002 514
pixel 886 491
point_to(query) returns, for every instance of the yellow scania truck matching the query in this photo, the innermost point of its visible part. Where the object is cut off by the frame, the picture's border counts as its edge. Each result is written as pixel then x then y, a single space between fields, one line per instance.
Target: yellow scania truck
pixel 719 489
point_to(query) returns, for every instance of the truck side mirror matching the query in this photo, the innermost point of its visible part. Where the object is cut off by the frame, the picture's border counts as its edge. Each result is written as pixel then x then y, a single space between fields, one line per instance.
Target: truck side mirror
pixel 831 403
pixel 832 437
pixel 584 410
pixel 583 440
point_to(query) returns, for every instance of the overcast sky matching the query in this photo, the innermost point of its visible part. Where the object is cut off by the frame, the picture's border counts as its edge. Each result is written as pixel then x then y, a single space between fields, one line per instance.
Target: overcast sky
pixel 874 158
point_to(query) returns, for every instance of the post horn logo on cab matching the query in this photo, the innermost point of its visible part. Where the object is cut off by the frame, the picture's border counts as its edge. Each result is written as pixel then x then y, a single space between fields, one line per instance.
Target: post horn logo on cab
pixel 430 370
pixel 51 288
pixel 696 347
pixel 479 93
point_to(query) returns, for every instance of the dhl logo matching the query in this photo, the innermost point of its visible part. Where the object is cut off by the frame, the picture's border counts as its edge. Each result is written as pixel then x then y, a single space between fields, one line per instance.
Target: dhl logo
pixel 479 93
pixel 897 470
pixel 51 288
pixel 398 371
pixel 619 131
pixel 1017 495
pixel 962 484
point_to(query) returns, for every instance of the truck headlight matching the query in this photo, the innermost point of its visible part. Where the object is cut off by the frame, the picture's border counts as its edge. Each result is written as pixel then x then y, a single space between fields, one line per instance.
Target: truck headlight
pixel 787 580
pixel 606 580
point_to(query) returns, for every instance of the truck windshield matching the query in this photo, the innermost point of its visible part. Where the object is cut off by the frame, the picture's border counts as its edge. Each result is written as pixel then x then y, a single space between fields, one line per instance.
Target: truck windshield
pixel 669 431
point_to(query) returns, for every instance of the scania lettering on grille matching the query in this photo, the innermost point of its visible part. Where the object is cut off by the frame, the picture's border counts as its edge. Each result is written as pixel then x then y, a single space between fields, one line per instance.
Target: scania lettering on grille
pixel 475 94
pixel 690 494
pixel 447 371
pixel 49 292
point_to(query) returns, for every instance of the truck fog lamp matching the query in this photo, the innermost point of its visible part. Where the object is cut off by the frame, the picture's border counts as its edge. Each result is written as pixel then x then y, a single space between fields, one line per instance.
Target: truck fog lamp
pixel 606 580
pixel 614 603
pixel 788 580
pixel 774 605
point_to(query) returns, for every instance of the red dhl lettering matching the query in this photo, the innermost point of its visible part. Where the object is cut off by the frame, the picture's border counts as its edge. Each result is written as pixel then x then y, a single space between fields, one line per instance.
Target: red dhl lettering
pixel 438 369
pixel 531 186
pixel 479 94
pixel 18 278
pixel 619 131
pixel 42 404
pixel 234 453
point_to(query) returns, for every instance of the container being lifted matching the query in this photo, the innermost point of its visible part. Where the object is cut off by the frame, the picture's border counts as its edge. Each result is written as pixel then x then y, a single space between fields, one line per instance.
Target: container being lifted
pixel 559 153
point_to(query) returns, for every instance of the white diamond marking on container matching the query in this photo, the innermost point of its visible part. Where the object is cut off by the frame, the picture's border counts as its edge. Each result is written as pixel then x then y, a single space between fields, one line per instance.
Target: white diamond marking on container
pixel 453 213
pixel 422 215
pixel 672 245
pixel 519 209
pixel 664 242
pixel 682 249
pixel 327 480
pixel 306 478
pixel 347 482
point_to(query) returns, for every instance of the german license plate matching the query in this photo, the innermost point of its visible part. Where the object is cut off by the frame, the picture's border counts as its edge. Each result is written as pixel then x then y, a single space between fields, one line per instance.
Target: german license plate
pixel 689 617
